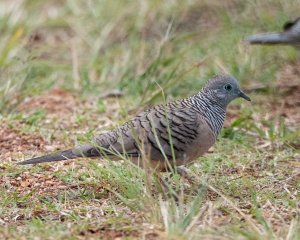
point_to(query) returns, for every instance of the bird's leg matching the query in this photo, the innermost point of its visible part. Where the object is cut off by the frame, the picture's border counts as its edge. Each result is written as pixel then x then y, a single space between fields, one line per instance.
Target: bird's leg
pixel 165 187
pixel 183 172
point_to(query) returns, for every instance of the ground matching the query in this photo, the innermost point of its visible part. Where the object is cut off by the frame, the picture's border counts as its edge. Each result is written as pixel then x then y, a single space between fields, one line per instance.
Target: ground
pixel 72 69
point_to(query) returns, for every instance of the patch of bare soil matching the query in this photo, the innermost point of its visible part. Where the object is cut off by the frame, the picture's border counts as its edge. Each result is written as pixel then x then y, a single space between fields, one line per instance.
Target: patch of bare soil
pixel 66 107
pixel 204 16
pixel 13 141
pixel 199 17
pixel 39 183
pixel 285 104
pixel 288 85
pixel 55 101
pixel 284 101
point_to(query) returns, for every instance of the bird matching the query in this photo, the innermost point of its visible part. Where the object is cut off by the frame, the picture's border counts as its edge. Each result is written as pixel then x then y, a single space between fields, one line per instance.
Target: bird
pixel 289 36
pixel 168 135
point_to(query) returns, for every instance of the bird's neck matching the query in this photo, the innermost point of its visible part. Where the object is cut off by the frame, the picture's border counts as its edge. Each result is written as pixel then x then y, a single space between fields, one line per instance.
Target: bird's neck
pixel 206 104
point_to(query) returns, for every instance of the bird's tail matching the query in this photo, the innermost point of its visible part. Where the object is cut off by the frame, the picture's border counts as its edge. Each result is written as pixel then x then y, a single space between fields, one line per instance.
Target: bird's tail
pixel 270 38
pixel 86 150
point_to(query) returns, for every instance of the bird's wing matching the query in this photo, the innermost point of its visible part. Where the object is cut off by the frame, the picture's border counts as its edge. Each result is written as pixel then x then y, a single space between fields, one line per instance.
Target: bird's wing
pixel 162 132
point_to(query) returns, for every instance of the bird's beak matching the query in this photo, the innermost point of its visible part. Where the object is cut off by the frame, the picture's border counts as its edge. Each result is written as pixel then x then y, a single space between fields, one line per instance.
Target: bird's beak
pixel 243 95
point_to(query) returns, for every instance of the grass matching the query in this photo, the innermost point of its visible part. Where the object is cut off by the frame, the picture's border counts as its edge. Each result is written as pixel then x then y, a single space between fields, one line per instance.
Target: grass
pixel 57 61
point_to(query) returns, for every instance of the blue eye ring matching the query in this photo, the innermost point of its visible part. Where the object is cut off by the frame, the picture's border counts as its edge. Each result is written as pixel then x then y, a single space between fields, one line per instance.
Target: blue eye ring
pixel 228 87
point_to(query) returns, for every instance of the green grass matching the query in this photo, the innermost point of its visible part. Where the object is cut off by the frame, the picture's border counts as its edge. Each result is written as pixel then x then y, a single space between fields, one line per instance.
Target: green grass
pixel 247 188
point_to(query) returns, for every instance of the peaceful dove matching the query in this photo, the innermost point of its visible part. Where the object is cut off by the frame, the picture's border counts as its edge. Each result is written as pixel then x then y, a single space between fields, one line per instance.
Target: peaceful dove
pixel 169 135
pixel 289 36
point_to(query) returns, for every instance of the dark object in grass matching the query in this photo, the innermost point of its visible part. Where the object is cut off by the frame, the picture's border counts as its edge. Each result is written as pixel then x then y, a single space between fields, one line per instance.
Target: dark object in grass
pixel 289 36
pixel 164 136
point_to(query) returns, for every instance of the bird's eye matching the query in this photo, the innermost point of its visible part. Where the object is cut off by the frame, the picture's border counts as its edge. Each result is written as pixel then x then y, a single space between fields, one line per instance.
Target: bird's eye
pixel 228 87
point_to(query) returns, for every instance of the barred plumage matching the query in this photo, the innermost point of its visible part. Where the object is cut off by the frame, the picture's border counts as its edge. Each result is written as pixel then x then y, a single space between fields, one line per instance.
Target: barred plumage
pixel 173 134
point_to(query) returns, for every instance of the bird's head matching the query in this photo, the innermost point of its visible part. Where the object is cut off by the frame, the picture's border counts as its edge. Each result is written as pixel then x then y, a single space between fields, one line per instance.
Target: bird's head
pixel 224 89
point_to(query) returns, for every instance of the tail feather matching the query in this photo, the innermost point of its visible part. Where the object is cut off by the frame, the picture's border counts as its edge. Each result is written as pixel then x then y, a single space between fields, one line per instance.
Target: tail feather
pixel 270 38
pixel 77 152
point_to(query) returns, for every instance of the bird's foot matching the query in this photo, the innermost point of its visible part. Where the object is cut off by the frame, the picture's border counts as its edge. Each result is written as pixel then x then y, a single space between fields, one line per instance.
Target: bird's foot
pixel 166 188
pixel 184 173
